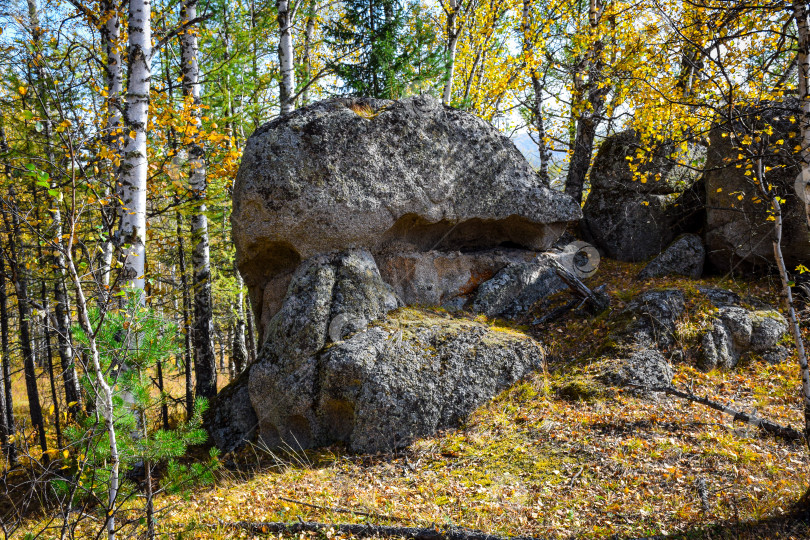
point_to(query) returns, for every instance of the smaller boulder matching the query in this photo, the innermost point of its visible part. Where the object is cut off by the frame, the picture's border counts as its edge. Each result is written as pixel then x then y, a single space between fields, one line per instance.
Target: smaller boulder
pixel 653 317
pixel 737 331
pixel 720 297
pixel 685 257
pixel 517 287
pixel 632 214
pixel 647 368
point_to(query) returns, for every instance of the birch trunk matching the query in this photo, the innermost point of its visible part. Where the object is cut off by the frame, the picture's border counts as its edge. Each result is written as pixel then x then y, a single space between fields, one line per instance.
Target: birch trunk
pixel 104 394
pixel 181 263
pixel 285 56
pixel 62 308
pixel 134 167
pixel 309 35
pixel 205 366
pixel 537 88
pixel 110 32
pixel 240 353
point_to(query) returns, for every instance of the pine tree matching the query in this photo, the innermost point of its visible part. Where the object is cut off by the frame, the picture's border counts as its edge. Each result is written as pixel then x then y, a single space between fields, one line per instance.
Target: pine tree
pixel 383 49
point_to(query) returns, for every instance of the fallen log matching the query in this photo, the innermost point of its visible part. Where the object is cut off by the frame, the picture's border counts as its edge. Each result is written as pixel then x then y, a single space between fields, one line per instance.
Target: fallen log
pixel 597 299
pixel 369 530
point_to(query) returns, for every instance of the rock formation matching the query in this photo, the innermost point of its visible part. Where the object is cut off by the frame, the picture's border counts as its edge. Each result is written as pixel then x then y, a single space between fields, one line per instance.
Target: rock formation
pixel 738 331
pixel 389 176
pixel 348 209
pixel 738 232
pixel 632 218
pixel 685 257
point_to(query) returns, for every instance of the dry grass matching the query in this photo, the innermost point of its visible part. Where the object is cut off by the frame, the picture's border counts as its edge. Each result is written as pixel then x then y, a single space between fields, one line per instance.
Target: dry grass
pixel 532 463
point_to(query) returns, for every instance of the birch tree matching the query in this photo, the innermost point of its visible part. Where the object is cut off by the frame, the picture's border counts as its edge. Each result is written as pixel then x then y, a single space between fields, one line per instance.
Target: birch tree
pixel 110 30
pixel 591 92
pixel 455 12
pixel 285 56
pixel 800 14
pixel 205 359
pixel 135 163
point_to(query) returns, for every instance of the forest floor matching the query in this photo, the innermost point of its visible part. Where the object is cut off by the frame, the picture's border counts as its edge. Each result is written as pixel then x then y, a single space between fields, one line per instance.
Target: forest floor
pixel 532 463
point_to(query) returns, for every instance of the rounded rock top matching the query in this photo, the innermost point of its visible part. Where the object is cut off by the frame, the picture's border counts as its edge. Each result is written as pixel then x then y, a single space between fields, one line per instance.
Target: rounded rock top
pixel 383 175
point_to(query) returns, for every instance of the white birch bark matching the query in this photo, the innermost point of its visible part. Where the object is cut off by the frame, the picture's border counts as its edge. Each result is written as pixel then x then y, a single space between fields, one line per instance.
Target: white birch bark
pixel 134 168
pixel 104 394
pixel 285 56
pixel 309 36
pixel 205 367
pixel 62 308
pixel 110 31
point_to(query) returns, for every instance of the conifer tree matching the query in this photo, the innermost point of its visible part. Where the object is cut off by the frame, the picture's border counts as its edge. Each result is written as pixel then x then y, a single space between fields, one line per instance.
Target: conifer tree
pixel 391 57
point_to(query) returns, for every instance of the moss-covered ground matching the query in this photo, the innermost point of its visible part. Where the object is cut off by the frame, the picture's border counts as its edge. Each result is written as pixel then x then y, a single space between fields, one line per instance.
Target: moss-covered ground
pixel 554 456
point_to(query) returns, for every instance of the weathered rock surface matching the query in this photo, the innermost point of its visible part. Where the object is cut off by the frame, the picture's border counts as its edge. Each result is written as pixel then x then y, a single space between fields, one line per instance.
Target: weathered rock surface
pixel 685 257
pixel 737 331
pixel 409 175
pixel 517 287
pixel 337 367
pixel 230 419
pixel 405 377
pixel 441 278
pixel 653 316
pixel 631 220
pixel 738 233
pixel 635 353
pixel 338 293
pixel 330 297
pixel 382 388
pixel 647 368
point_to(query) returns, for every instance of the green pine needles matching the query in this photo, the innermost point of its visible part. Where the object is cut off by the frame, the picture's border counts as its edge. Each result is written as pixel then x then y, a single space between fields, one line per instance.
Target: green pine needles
pixel 384 49
pixel 131 341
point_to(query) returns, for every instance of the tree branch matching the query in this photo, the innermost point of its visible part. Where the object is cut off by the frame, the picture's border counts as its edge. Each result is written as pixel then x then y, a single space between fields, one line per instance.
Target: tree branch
pixel 772 428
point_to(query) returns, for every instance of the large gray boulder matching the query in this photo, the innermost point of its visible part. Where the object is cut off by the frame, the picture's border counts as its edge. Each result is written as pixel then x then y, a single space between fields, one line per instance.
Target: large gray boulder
pixel 738 232
pixel 631 219
pixel 406 378
pixel 387 176
pixel 340 365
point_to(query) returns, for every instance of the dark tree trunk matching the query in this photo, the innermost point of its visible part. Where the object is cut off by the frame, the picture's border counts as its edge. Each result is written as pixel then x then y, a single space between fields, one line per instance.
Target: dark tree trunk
pixel 7 410
pixel 164 407
pixel 581 159
pixel 51 376
pixel 20 282
pixel 181 262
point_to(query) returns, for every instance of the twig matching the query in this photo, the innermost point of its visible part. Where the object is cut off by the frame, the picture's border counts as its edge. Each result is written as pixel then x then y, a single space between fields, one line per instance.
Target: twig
pixel 556 313
pixel 344 510
pixel 768 426
pixel 574 478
